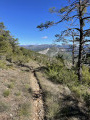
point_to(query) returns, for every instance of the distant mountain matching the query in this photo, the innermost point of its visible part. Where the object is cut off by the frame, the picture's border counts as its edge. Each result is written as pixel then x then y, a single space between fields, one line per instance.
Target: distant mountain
pixel 54 50
pixel 44 46
pixel 37 47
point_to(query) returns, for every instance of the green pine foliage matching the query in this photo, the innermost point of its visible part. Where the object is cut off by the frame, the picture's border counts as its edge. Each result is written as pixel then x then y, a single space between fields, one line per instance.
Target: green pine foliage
pixel 10 49
pixel 58 73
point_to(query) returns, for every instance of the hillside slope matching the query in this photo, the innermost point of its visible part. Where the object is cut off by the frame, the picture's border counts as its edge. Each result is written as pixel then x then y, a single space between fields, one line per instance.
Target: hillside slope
pixel 27 93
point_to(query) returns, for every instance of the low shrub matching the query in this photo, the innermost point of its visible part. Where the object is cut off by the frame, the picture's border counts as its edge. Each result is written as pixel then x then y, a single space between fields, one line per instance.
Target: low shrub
pixel 60 74
pixel 3 64
pixel 23 109
pixel 6 93
pixel 3 107
pixel 11 85
pixel 86 97
pixel 86 75
pixel 18 93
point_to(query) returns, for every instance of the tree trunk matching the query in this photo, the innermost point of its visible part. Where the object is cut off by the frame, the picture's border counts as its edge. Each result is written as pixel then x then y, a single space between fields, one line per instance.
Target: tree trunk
pixel 80 43
pixel 80 62
pixel 73 52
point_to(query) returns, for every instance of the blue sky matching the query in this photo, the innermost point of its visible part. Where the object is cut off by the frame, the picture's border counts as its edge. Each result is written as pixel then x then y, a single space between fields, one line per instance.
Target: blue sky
pixel 21 17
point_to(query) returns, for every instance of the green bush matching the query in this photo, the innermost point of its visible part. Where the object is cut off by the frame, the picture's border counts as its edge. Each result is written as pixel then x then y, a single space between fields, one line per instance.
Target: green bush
pixel 18 93
pixel 24 109
pixel 6 93
pixel 58 73
pixel 3 107
pixel 78 90
pixel 11 85
pixel 86 75
pixel 3 64
pixel 87 100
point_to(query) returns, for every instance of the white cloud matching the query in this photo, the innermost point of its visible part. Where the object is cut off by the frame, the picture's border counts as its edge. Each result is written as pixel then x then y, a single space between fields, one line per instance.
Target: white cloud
pixel 45 37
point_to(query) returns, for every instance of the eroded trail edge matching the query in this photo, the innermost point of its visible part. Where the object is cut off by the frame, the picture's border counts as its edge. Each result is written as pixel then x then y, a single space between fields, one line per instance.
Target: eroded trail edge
pixel 37 105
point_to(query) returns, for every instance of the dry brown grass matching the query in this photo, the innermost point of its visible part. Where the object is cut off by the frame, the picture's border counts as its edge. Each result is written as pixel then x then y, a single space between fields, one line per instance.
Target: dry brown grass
pixel 15 104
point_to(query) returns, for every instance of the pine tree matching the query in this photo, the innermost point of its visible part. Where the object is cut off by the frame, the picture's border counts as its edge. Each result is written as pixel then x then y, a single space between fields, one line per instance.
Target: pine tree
pixel 76 11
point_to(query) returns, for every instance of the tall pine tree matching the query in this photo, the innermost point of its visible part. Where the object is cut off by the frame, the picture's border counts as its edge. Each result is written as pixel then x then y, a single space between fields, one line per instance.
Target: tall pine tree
pixel 75 11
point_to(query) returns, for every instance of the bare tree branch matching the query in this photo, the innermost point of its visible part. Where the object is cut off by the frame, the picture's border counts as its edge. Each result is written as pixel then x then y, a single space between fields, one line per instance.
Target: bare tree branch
pixel 85 18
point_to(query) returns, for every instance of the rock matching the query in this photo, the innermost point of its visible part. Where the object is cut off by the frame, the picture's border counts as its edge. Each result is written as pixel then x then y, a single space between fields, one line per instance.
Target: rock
pixel 67 91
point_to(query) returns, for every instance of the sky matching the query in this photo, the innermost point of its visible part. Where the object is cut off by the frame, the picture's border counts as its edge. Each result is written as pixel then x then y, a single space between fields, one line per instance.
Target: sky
pixel 21 18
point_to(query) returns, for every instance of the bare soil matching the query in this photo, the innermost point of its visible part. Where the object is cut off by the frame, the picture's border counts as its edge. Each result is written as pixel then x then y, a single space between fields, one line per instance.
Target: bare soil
pixel 38 110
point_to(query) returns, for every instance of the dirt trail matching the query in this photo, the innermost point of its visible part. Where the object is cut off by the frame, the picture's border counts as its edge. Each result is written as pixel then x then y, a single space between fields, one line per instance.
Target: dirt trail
pixel 38 107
